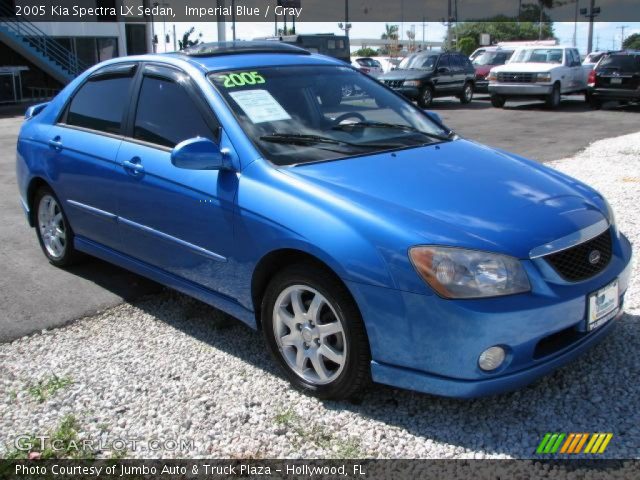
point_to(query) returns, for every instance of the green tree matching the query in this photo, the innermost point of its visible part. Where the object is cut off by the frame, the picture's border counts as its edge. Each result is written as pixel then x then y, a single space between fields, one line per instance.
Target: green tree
pixel 186 42
pixel 504 29
pixel 366 52
pixel 391 32
pixel 467 45
pixel 632 42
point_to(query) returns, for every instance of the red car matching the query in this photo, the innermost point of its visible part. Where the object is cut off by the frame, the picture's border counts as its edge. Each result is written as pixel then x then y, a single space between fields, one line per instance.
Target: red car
pixel 483 63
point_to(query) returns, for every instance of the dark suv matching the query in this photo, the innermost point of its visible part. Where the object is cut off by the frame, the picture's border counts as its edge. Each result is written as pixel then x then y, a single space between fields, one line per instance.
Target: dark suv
pixel 426 75
pixel 615 77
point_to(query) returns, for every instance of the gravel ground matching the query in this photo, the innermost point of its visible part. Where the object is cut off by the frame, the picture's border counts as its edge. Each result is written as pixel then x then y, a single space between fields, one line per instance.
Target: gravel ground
pixel 170 368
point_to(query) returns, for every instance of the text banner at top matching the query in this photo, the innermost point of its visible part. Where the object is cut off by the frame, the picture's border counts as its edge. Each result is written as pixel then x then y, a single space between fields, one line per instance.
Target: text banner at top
pixel 389 11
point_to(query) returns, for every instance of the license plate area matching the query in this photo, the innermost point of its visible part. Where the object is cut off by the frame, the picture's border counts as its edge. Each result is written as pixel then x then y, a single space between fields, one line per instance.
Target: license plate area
pixel 602 305
pixel 616 81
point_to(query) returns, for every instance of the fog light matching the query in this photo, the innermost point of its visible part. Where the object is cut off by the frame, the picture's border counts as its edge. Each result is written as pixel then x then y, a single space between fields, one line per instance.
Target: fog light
pixel 491 358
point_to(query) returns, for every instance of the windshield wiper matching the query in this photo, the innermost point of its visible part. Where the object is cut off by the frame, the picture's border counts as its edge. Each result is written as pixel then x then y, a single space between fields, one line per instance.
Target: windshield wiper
pixel 398 126
pixel 310 140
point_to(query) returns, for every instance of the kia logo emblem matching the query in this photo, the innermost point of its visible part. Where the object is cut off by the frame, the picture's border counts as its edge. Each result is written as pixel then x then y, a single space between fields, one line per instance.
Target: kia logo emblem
pixel 594 257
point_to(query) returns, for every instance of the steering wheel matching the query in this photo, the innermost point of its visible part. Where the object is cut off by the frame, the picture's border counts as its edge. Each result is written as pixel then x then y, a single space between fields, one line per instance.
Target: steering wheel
pixel 344 116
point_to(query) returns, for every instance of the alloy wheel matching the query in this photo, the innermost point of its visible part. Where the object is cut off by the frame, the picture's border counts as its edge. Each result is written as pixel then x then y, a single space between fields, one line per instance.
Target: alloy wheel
pixel 52 226
pixel 309 334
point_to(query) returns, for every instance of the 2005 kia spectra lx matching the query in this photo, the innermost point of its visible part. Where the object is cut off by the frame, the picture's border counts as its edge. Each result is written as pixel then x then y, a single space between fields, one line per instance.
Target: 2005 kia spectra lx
pixel 365 239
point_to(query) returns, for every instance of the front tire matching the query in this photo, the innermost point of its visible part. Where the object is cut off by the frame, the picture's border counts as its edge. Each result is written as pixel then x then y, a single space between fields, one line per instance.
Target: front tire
pixel 425 99
pixel 553 99
pixel 314 331
pixel 467 93
pixel 498 101
pixel 53 230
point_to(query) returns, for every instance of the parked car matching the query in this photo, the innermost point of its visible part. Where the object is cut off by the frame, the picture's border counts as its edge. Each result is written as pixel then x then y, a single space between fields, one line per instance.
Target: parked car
pixel 365 240
pixel 593 58
pixel 368 65
pixel 426 75
pixel 388 63
pixel 492 57
pixel 538 72
pixel 616 77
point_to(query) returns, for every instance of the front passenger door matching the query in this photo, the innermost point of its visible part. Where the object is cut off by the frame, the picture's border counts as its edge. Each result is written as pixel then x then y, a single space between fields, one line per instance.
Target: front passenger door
pixel 177 220
pixel 444 77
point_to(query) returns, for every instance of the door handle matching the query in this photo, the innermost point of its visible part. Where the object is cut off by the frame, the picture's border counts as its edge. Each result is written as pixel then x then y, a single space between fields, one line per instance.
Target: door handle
pixel 134 165
pixel 56 143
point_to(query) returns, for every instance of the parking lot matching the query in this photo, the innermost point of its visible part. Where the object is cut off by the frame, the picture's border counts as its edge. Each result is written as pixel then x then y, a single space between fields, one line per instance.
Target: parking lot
pixel 204 376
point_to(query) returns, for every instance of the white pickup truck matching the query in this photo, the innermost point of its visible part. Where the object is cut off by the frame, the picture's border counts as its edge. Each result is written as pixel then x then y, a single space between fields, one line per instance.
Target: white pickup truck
pixel 538 72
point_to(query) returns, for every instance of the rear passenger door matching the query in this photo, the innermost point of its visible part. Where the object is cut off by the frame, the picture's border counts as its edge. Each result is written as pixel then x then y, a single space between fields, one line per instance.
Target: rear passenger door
pixel 178 220
pixel 83 147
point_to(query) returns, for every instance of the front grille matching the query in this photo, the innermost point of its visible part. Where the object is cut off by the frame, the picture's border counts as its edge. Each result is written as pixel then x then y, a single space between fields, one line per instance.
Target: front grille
pixel 573 263
pixel 509 77
pixel 393 83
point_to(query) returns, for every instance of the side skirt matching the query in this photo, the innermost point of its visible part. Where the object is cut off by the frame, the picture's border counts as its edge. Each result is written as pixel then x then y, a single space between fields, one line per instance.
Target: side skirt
pixel 221 302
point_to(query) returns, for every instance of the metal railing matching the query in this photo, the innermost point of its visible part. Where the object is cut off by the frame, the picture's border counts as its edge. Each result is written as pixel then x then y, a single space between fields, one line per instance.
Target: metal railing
pixel 41 42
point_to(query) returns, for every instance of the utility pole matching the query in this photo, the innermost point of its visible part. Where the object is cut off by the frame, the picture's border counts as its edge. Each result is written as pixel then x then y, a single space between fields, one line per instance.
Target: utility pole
pixel 175 46
pixel 622 28
pixel 590 14
pixel 222 34
pixel 423 27
pixel 575 25
pixel 233 20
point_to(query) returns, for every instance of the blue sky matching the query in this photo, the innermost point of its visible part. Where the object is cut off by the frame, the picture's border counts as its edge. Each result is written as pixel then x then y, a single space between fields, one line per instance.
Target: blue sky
pixel 607 35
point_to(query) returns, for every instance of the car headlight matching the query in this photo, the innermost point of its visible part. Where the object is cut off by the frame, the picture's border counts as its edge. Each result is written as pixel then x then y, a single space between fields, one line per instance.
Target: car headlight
pixel 411 83
pixel 459 273
pixel 493 76
pixel 543 77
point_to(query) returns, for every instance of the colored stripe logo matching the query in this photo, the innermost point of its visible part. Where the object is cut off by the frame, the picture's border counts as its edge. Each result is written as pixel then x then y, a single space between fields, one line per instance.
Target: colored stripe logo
pixel 573 443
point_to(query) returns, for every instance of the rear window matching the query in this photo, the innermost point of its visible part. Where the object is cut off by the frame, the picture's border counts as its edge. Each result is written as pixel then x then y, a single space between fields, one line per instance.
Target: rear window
pixel 100 104
pixel 621 63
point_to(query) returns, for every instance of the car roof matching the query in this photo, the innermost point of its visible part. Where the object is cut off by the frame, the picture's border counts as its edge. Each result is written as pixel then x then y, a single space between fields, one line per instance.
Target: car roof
pixel 223 56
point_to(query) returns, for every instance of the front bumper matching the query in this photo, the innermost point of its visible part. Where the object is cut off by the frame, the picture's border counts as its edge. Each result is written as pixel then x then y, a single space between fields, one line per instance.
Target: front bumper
pixel 481 86
pixel 520 89
pixel 409 92
pixel 432 345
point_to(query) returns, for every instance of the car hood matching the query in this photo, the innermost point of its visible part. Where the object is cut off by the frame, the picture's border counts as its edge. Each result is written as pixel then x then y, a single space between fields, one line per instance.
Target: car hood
pixel 407 74
pixel 459 193
pixel 526 67
pixel 483 69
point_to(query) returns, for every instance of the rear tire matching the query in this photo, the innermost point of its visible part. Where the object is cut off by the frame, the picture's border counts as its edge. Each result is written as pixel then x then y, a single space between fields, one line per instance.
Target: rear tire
pixel 553 99
pixel 314 331
pixel 498 101
pixel 425 99
pixel 467 93
pixel 53 230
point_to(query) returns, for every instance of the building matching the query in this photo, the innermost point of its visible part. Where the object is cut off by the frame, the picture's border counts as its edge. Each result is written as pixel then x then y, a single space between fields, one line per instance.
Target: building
pixel 56 52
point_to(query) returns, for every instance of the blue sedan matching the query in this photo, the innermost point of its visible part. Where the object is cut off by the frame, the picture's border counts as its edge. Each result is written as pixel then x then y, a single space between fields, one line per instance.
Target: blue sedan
pixel 366 240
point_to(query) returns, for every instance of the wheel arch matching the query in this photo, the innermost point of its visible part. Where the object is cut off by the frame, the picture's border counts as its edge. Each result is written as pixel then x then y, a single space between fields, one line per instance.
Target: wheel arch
pixel 34 185
pixel 274 261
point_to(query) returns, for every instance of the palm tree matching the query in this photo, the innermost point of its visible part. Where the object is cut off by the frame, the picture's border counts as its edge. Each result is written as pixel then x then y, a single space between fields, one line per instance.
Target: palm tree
pixel 391 32
pixel 542 4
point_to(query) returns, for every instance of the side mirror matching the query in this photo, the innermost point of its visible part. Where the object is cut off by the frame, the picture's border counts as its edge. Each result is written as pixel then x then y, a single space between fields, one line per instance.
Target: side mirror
pixel 434 116
pixel 199 154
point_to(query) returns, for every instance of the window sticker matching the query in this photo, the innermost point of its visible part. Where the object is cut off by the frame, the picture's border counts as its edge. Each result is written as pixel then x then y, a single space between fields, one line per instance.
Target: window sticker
pixel 260 106
pixel 240 79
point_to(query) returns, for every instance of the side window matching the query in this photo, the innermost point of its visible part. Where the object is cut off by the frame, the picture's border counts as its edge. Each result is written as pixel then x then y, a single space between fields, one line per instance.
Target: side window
pixel 166 115
pixel 444 61
pixel 100 104
pixel 456 64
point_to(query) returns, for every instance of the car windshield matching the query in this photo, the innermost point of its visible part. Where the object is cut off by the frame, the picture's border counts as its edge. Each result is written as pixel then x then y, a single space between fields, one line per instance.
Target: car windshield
pixel 538 55
pixel 422 62
pixel 621 63
pixel 299 114
pixel 492 58
pixel 593 57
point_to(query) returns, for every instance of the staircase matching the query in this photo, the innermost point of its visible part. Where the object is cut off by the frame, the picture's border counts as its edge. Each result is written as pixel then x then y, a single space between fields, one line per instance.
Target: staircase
pixel 40 49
